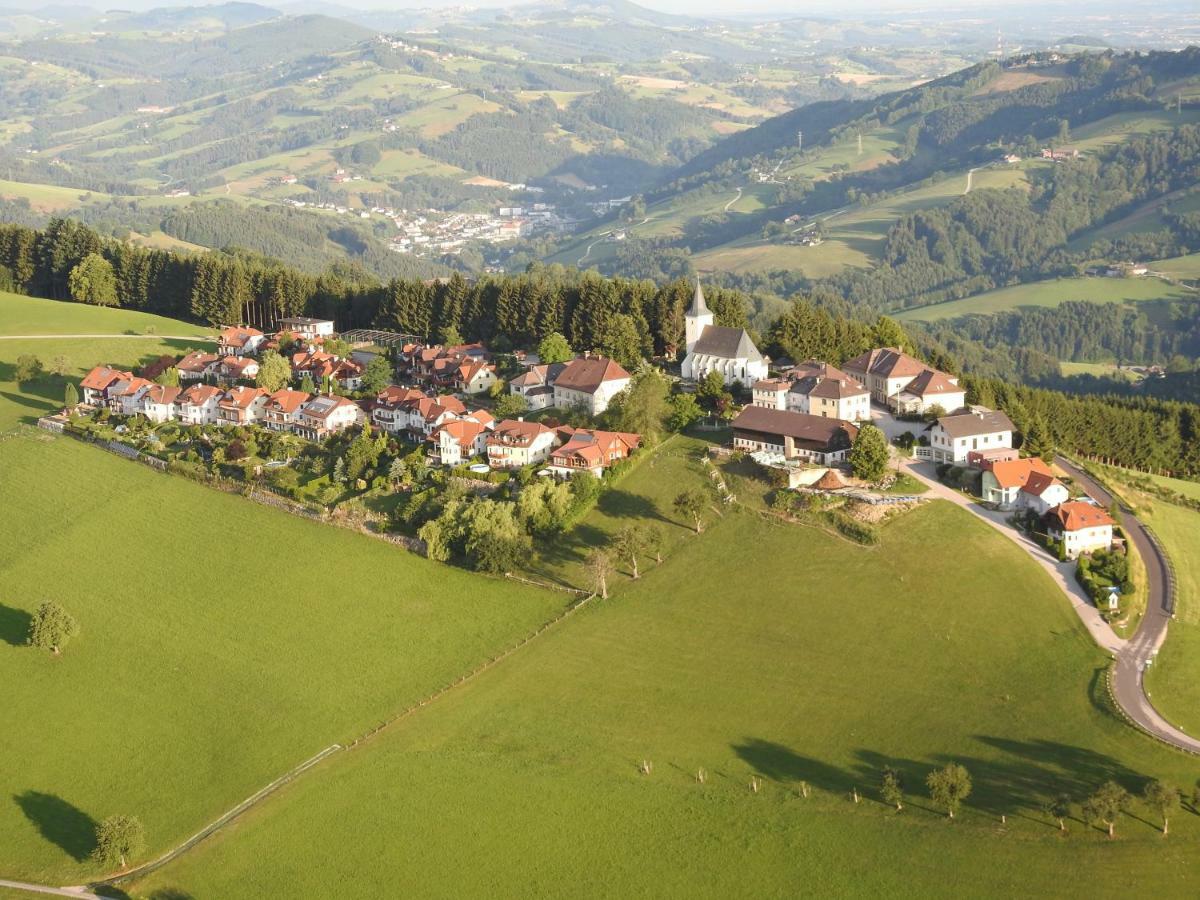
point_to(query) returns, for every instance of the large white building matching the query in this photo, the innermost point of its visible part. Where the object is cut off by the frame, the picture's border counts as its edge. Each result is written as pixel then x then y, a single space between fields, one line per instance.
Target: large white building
pixel 715 348
pixel 953 438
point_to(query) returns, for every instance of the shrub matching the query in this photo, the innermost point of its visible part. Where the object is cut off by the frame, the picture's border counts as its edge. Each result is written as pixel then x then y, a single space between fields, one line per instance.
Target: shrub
pixel 847 526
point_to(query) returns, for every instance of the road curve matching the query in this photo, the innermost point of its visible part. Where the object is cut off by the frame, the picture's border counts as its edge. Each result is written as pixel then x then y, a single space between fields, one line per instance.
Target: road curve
pixel 1128 688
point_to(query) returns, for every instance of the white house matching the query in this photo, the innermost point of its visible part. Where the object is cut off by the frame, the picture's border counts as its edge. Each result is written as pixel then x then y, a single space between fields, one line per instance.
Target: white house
pixel 1082 527
pixel 456 441
pixel 590 382
pixel 515 443
pixel 590 451
pixel 536 384
pixel 96 383
pixel 158 402
pixel 952 438
pixel 240 340
pixel 282 409
pixel 326 414
pixel 1043 492
pixel 125 395
pixel 715 348
pixel 198 404
pixel 196 365
pixel 819 389
pixel 904 383
pixel 241 406
pixel 303 327
pixel 771 392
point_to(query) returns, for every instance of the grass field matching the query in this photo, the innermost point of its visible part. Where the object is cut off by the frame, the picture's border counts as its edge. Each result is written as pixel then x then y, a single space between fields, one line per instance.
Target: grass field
pixel 222 642
pixel 1100 370
pixel 48 197
pixel 1051 294
pixel 744 654
pixel 34 315
pixel 1179 266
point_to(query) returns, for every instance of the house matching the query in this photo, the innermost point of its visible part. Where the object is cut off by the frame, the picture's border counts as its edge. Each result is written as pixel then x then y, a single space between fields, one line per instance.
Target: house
pixel 349 374
pixel 536 384
pixel 158 402
pixel 305 328
pixel 983 459
pixel 474 376
pixel 283 407
pixel 771 392
pixel 1042 492
pixel 1082 527
pixel 427 413
pixel 1059 154
pixel 589 382
pixel 714 348
pixel 237 368
pixel 240 340
pixel 1002 481
pixel 793 435
pixel 820 389
pixel 456 441
pixel 324 415
pixel 390 410
pixel 197 365
pixel 953 438
pixel 904 383
pixel 156 368
pixel 515 443
pixel 241 406
pixel 317 364
pixel 439 366
pixel 95 384
pixel 198 404
pixel 590 451
pixel 125 395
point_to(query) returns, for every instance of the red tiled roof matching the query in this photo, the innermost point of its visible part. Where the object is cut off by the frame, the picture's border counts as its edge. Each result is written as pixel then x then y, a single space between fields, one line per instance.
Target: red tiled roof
pixel 887 362
pixel 238 335
pixel 1075 515
pixel 931 383
pixel 1015 473
pixel 287 401
pixel 196 361
pixel 242 397
pixel 101 377
pixel 163 393
pixel 198 395
pixel 587 373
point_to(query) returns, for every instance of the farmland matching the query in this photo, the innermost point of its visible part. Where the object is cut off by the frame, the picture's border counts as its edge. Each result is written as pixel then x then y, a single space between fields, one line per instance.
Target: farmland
pixel 520 770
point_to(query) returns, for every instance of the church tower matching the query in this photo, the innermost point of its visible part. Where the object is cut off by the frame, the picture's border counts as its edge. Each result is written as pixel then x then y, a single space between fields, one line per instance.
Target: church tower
pixel 696 319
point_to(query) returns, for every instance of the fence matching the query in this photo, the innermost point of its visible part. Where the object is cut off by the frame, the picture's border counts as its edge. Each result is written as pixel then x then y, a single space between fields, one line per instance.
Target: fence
pixel 1170 579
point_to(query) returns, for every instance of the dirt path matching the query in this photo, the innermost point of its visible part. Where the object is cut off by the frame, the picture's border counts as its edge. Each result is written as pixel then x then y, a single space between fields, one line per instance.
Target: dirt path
pixel 42 889
pixel 734 200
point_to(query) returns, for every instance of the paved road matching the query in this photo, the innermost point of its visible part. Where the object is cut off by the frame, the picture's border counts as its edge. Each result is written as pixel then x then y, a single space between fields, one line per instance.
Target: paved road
pixel 1128 688
pixel 57 892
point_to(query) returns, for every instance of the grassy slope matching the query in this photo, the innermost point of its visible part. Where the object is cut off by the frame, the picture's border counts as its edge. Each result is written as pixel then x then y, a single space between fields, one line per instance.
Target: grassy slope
pixel 1051 294
pixel 216 651
pixel 34 315
pixel 746 652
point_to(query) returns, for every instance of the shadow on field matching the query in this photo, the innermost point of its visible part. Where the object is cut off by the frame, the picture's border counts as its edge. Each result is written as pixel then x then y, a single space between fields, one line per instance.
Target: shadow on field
pixel 14 625
pixel 783 764
pixel 59 822
pixel 624 505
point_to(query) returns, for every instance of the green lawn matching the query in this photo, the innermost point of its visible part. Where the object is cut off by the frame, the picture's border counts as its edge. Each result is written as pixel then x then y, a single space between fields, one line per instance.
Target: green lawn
pixel 1179 266
pixel 754 649
pixel 34 315
pixel 1100 370
pixel 1051 294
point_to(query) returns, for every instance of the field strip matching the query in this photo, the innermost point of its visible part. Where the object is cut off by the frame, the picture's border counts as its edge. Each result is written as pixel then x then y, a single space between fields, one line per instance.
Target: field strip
pixel 42 889
pixel 52 337
pixel 221 822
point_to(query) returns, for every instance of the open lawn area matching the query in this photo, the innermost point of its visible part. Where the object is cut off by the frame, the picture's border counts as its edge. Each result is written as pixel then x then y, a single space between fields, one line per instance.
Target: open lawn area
pixel 1051 294
pixel 755 649
pixel 34 315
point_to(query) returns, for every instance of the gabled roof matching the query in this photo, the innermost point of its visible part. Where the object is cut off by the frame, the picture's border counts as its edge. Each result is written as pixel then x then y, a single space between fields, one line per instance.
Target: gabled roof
pixel 1015 473
pixel 238 363
pixel 101 377
pixel 932 383
pixel 595 446
pixel 886 362
pixel 163 394
pixel 772 384
pixel 537 376
pixel 198 395
pixel 323 406
pixel 1075 515
pixel 819 432
pixel 726 343
pixel 462 431
pixel 1039 483
pixel 196 361
pixel 813 378
pixel 287 401
pixel 125 387
pixel 238 335
pixel 972 424
pixel 393 395
pixel 242 397
pixel 517 432
pixel 586 373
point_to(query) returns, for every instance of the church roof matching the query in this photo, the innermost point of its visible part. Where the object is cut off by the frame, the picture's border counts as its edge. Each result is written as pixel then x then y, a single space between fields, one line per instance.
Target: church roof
pixel 726 343
pixel 699 307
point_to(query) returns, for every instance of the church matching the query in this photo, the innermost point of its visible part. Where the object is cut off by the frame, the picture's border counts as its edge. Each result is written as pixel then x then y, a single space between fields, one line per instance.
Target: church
pixel 714 348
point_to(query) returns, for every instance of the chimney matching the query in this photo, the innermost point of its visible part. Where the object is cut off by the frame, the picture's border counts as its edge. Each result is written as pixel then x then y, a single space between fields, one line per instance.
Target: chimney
pixel 520 418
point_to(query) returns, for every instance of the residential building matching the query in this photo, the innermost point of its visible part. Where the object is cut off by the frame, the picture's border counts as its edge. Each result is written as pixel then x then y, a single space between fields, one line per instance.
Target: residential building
pixel 714 348
pixel 158 402
pixel 240 340
pixel 197 365
pixel 590 451
pixel 198 404
pixel 95 384
pixel 125 395
pixel 820 389
pixel 1003 480
pixel 241 406
pixel 391 409
pixel 349 374
pixel 1082 527
pixel 793 435
pixel 317 364
pixel 536 384
pixel 771 393
pixel 306 328
pixel 474 376
pixel 324 415
pixel 233 369
pixel 515 443
pixel 589 382
pixel 458 440
pixel 903 383
pixel 283 408
pixel 1042 492
pixel 953 438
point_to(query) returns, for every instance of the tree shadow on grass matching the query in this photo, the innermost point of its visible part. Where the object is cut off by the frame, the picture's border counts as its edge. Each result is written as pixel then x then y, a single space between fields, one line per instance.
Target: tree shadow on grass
pixel 785 765
pixel 14 625
pixel 624 505
pixel 59 822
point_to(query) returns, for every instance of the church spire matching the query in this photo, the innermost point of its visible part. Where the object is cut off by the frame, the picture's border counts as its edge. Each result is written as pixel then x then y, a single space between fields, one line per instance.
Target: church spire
pixel 699 307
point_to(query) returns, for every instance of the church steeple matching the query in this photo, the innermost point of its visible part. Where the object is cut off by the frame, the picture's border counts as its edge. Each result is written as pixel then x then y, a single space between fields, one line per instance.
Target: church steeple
pixel 698 318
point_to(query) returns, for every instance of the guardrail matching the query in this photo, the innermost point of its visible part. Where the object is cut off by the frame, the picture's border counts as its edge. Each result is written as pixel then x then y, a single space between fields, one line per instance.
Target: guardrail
pixel 1169 587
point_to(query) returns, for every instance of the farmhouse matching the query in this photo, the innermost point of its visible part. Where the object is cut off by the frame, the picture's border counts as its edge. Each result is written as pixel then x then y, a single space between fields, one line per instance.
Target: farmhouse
pixel 589 382
pixel 953 438
pixel 590 451
pixel 793 435
pixel 1082 527
pixel 714 348
pixel 515 443
pixel 905 384
pixel 239 340
pixel 197 405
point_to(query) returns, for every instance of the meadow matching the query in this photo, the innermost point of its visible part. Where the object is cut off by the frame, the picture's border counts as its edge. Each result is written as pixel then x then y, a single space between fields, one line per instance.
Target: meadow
pixel 756 650
pixel 1050 294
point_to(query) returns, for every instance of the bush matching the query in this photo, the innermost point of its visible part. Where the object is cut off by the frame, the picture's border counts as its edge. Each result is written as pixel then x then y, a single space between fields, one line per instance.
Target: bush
pixel 847 526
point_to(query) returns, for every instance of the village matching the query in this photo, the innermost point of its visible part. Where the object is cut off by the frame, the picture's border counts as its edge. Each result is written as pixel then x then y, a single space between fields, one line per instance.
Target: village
pixel 297 399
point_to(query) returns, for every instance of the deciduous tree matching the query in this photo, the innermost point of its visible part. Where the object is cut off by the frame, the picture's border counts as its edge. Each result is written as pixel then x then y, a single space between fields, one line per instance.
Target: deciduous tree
pixel 119 840
pixel 274 372
pixel 1058 808
pixel 93 281
pixel 1103 807
pixel 869 455
pixel 377 375
pixel 949 786
pixel 1163 799
pixel 52 627
pixel 891 789
pixel 599 567
pixel 691 504
pixel 29 368
pixel 554 348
